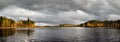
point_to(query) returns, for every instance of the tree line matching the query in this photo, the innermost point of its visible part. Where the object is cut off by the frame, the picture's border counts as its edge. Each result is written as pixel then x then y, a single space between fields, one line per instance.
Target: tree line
pixel 6 22
pixel 94 23
pixel 98 23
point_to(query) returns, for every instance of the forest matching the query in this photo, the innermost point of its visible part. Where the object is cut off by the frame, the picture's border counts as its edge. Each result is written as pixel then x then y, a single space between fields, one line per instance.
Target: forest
pixel 98 23
pixel 7 22
pixel 95 23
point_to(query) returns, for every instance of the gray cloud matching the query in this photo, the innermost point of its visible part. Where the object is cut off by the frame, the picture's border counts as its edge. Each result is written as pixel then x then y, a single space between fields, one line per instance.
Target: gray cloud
pixel 60 11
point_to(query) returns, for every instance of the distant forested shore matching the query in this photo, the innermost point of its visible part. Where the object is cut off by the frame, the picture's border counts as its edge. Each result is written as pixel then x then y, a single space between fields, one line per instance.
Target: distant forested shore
pixel 95 23
pixel 7 22
pixel 98 23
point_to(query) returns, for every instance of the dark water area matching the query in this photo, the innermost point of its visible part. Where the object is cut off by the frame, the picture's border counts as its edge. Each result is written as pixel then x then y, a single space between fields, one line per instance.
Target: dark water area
pixel 71 34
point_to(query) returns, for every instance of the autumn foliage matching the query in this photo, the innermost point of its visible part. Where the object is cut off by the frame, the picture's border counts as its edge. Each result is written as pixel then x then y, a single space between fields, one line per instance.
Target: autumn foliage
pixel 6 22
pixel 97 23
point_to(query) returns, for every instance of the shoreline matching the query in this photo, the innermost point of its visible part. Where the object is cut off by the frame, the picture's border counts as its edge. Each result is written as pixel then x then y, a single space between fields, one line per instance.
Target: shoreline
pixel 54 27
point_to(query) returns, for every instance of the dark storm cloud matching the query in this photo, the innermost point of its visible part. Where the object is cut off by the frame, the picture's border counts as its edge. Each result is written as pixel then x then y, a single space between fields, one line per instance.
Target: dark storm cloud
pixel 4 3
pixel 60 11
pixel 63 5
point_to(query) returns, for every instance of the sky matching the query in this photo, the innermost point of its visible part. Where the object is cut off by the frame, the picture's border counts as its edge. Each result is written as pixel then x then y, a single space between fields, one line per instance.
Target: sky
pixel 53 12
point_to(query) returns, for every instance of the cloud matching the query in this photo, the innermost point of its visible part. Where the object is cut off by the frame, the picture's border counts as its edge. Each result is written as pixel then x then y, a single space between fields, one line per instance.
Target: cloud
pixel 75 16
pixel 72 17
pixel 114 17
pixel 43 24
pixel 60 11
pixel 19 12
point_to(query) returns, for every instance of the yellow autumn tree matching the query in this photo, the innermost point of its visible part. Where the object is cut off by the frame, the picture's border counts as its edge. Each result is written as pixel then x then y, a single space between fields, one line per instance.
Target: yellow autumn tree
pixel 6 23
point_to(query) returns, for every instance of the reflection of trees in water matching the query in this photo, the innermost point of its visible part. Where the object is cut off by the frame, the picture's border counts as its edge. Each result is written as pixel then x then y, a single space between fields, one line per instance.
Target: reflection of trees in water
pixel 25 32
pixel 4 33
pixel 7 32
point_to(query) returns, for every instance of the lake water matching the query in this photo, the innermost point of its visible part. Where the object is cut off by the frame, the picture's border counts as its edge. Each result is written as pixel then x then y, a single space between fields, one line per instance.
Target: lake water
pixel 71 34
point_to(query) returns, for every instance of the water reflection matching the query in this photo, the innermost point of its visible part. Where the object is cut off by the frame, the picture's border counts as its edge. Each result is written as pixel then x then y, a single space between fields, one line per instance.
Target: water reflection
pixel 14 35
pixel 77 35
pixel 60 35
pixel 4 33
pixel 27 32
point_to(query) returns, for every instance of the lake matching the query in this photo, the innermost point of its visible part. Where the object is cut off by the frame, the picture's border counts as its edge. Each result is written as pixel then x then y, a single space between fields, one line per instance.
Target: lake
pixel 70 34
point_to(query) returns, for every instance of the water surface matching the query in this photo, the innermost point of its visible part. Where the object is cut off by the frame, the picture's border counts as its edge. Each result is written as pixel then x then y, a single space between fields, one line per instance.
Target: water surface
pixel 73 34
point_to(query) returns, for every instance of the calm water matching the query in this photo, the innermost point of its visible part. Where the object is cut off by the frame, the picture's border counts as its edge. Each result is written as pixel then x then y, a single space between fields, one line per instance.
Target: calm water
pixel 60 35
